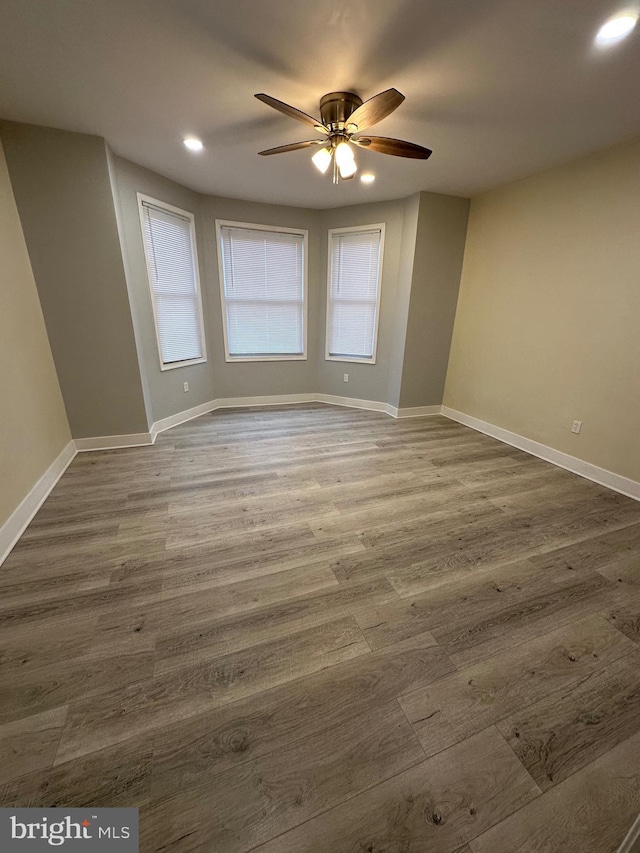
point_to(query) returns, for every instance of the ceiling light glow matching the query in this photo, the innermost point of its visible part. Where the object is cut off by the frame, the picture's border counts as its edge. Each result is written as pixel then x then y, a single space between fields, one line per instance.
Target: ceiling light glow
pixel 347 169
pixel 322 159
pixel 367 177
pixel 193 144
pixel 344 155
pixel 616 29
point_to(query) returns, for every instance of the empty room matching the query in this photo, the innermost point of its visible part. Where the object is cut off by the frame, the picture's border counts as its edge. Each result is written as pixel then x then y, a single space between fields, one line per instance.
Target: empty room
pixel 320 426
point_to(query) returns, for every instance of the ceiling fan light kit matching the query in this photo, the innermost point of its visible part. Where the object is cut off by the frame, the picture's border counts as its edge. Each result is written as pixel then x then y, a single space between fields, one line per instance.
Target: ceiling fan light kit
pixel 322 159
pixel 343 116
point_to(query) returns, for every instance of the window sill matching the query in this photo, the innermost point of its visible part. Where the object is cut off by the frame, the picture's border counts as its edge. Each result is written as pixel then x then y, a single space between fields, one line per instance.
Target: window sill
pixel 175 364
pixel 350 359
pixel 232 359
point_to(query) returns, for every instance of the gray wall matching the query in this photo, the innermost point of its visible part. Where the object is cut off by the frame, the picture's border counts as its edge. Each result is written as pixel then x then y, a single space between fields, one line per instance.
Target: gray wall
pixel 249 379
pixel 215 378
pixel 165 391
pixel 405 277
pixel 63 195
pixel 366 381
pixel 437 267
pixel 421 270
pixel 79 211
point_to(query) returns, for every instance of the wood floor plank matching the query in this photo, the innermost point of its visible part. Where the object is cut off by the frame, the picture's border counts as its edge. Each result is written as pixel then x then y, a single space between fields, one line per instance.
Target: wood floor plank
pixel 183 643
pixel 30 744
pixel 494 542
pixel 192 751
pixel 413 549
pixel 107 778
pixel 490 611
pixel 175 605
pixel 101 666
pixel 117 715
pixel 24 649
pixel 466 702
pixel 203 566
pixel 590 811
pixel 568 729
pixel 270 795
pixel 624 610
pixel 61 606
pixel 523 621
pixel 263 591
pixel 437 805
pixel 282 594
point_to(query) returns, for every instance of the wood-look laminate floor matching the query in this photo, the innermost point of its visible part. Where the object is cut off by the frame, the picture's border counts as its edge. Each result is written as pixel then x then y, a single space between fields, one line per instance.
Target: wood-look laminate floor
pixel 319 629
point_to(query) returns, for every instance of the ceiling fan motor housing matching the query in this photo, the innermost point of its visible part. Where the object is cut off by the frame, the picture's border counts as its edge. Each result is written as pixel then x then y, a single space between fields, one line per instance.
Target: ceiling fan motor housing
pixel 336 107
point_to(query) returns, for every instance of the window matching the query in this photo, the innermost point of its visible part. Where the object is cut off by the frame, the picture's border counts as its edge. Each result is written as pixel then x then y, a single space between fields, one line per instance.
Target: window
pixel 170 250
pixel 263 287
pixel 353 297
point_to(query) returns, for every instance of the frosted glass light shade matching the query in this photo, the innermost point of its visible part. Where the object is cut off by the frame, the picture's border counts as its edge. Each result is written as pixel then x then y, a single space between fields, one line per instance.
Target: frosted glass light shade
pixel 347 169
pixel 321 159
pixel 344 155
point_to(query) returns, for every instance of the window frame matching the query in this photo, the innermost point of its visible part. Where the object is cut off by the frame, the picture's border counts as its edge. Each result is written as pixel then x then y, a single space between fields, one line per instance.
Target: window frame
pixel 376 226
pixel 163 205
pixel 278 229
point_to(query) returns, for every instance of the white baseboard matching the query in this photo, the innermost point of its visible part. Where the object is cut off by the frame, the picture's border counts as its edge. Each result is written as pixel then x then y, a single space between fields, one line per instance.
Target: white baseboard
pixel 227 403
pixel 354 403
pixel 277 400
pixel 629 843
pixel 18 521
pixel 418 412
pixel 20 518
pixel 624 485
pixel 114 442
pixel 182 417
pixel 271 400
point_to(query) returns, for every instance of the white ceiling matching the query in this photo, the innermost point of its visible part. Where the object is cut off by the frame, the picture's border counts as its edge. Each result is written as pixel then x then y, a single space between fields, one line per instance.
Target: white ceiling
pixel 499 89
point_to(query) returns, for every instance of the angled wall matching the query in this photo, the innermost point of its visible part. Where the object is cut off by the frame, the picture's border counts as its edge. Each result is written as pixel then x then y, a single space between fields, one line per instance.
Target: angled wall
pixel 164 389
pixel 64 198
pixel 33 424
pixel 437 264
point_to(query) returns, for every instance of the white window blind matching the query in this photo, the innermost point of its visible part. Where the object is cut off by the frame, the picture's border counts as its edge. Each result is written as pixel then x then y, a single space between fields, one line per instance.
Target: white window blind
pixel 354 292
pixel 263 291
pixel 171 263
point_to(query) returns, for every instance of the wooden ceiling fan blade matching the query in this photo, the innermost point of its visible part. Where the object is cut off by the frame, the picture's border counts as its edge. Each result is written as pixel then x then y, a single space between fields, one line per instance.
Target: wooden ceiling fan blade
pixel 293 146
pixel 395 147
pixel 292 112
pixel 376 108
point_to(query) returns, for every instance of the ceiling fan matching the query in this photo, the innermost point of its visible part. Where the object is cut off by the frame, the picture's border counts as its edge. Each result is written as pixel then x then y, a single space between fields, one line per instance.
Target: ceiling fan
pixel 343 118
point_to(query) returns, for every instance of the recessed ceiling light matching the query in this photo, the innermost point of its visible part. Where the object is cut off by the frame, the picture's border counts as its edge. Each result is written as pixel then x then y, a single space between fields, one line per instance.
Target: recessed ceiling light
pixel 367 178
pixel 615 29
pixel 193 144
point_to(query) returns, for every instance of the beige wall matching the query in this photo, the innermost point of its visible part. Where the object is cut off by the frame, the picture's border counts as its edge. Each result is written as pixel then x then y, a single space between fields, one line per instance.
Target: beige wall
pixel 548 321
pixel 33 423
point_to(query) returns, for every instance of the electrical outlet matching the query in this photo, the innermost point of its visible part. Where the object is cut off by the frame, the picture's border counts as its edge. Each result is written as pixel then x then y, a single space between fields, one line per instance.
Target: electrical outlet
pixel 345 377
pixel 576 426
pixel 186 386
